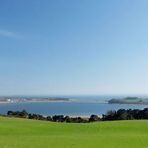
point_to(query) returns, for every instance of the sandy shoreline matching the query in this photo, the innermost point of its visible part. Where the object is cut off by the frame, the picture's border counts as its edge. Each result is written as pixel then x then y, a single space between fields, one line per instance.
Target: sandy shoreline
pixel 5 102
pixel 84 116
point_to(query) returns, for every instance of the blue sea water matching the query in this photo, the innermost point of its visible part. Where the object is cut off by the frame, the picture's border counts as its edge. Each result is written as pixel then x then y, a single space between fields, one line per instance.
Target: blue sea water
pixel 85 106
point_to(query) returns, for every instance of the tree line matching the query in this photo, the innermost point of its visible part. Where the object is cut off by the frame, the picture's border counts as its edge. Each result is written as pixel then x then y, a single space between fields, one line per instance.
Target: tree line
pixel 120 114
pixel 55 118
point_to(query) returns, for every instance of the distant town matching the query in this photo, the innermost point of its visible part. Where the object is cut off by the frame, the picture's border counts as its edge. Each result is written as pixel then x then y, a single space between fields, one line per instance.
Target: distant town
pixel 32 99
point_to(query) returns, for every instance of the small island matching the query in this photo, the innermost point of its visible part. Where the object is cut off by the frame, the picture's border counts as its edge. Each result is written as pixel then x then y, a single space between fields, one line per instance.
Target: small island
pixel 129 100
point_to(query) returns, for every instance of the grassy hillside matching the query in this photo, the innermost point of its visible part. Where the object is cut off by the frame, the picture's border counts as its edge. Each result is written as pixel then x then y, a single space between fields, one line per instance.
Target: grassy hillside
pixel 23 133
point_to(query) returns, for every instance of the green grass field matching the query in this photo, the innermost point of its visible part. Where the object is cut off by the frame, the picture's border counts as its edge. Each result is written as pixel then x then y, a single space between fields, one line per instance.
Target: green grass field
pixel 24 133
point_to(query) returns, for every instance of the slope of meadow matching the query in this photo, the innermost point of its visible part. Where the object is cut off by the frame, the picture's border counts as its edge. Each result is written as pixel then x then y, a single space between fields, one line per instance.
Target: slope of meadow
pixel 24 133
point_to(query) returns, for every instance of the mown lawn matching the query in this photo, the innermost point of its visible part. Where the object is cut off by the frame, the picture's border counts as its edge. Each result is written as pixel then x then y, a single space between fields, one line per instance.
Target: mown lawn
pixel 24 133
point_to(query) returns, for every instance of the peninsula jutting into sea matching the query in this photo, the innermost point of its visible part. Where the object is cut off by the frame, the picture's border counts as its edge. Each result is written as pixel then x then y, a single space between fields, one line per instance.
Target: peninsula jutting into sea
pixel 32 99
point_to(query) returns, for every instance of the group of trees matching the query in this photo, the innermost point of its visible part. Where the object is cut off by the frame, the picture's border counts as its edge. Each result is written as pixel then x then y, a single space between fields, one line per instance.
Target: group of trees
pixel 55 118
pixel 123 114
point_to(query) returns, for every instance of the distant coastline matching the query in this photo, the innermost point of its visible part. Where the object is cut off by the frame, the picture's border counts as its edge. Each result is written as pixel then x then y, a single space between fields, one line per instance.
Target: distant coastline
pixel 30 100
pixel 129 100
pixel 126 100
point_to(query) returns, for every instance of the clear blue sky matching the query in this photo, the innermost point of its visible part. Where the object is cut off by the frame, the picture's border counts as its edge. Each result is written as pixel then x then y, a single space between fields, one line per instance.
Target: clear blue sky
pixel 72 47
